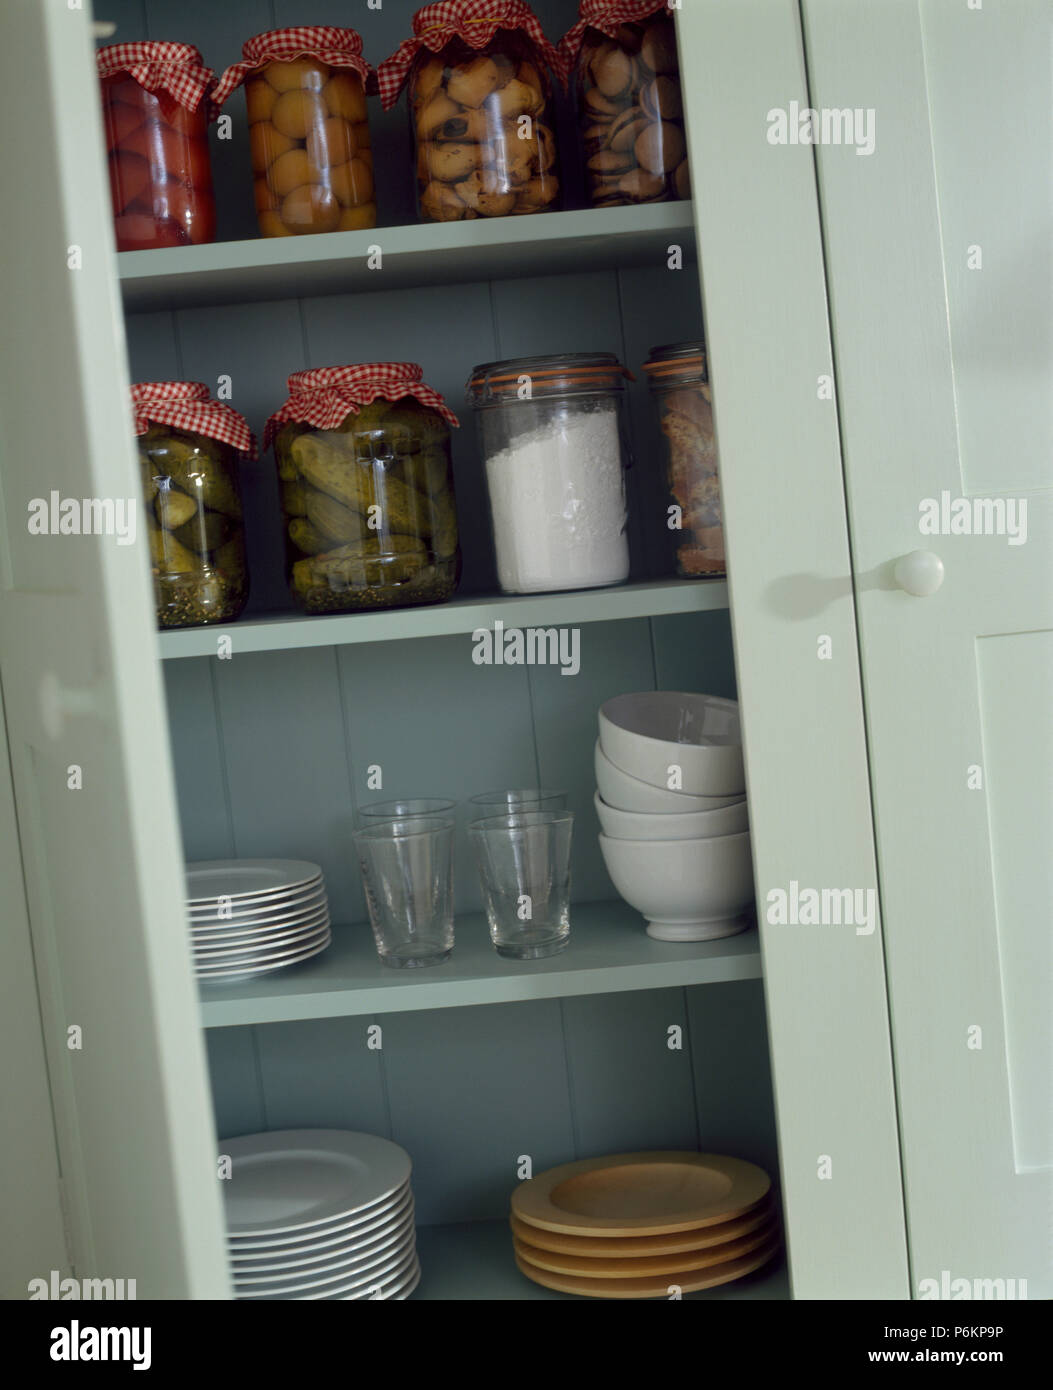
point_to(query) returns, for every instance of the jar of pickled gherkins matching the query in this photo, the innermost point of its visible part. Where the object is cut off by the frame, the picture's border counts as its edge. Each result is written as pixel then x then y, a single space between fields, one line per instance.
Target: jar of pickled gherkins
pixel 631 113
pixel 680 385
pixel 363 455
pixel 189 451
pixel 305 90
pixel 157 104
pixel 480 107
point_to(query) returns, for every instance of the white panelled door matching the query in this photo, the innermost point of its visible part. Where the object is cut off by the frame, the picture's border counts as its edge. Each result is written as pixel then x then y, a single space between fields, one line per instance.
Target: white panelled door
pixel 938 254
pixel 84 709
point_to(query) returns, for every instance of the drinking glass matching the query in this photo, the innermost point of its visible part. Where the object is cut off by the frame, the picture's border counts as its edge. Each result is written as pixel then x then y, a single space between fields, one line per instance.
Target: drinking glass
pixel 524 867
pixel 506 803
pixel 435 807
pixel 407 870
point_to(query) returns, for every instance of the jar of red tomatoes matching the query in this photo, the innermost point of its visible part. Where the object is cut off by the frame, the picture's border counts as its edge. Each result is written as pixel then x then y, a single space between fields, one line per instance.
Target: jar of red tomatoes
pixel 481 109
pixel 305 94
pixel 157 105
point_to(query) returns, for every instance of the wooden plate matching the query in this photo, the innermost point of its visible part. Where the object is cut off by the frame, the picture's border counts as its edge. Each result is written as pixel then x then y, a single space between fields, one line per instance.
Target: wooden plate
pixel 687 1262
pixel 629 1247
pixel 653 1287
pixel 650 1193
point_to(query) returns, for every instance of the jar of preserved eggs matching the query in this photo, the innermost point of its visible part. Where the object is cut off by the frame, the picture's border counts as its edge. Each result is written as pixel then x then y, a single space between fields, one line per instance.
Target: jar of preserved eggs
pixel 480 105
pixel 189 450
pixel 312 162
pixel 363 455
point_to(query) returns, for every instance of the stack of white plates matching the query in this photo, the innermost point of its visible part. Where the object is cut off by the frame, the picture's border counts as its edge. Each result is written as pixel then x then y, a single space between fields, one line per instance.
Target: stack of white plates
pixel 320 1214
pixel 251 916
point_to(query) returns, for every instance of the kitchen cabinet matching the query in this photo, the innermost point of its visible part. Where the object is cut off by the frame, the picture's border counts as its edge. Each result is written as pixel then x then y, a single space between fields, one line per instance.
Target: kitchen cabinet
pixel 787 1057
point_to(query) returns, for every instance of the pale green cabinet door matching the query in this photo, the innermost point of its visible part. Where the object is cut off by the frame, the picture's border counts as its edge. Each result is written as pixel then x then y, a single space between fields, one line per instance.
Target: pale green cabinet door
pixel 85 716
pixel 937 227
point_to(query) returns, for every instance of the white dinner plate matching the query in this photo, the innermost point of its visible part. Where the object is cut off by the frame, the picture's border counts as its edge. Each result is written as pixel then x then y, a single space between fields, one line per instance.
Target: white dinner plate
pixel 263 940
pixel 361 1227
pixel 210 879
pixel 340 1253
pixel 399 1288
pixel 310 1276
pixel 266 952
pixel 386 1287
pixel 293 1180
pixel 352 1282
pixel 236 912
pixel 250 971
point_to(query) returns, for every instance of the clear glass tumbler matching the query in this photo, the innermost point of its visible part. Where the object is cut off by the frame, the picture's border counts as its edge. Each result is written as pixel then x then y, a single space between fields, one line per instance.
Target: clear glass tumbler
pixel 407 870
pixel 524 867
pixel 506 803
pixel 435 807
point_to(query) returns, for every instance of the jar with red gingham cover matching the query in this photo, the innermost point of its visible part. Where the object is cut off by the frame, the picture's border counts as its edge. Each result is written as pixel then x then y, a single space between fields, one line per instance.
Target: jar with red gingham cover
pixel 627 82
pixel 480 106
pixel 363 456
pixel 305 90
pixel 156 100
pixel 189 450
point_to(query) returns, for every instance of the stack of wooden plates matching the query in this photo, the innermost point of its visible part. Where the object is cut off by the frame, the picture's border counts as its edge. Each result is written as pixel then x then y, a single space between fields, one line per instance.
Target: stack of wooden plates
pixel 643 1225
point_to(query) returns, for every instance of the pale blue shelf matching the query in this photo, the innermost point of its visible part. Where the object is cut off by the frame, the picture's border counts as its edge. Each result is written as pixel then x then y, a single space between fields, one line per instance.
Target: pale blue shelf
pixel 284 632
pixel 609 952
pixel 270 268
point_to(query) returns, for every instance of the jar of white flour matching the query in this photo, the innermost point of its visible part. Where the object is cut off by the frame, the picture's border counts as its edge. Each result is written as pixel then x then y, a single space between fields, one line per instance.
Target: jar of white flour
pixel 553 447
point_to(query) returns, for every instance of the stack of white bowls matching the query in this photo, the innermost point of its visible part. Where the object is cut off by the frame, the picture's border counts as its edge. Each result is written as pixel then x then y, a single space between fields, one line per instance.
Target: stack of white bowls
pixel 672 805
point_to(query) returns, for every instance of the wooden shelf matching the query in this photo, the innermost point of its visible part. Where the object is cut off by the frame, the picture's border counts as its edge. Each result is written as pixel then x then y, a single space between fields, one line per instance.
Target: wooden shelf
pixel 473 1261
pixel 285 631
pixel 233 272
pixel 609 952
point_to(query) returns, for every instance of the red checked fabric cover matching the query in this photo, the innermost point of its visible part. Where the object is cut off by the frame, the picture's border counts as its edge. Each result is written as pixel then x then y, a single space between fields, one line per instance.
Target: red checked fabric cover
pixel 474 21
pixel 606 16
pixel 325 396
pixel 339 48
pixel 175 68
pixel 187 405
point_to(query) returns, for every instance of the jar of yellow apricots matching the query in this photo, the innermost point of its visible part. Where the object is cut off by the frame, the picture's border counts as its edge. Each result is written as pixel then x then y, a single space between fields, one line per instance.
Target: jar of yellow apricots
pixel 363 455
pixel 189 450
pixel 305 92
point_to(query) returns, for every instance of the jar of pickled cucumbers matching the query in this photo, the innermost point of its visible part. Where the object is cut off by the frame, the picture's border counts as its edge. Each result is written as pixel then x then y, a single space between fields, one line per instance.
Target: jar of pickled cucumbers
pixel 157 104
pixel 190 448
pixel 631 113
pixel 679 380
pixel 363 455
pixel 305 91
pixel 480 107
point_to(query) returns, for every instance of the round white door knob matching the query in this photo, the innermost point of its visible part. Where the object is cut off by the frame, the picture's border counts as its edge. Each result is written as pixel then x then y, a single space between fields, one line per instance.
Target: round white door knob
pixel 920 573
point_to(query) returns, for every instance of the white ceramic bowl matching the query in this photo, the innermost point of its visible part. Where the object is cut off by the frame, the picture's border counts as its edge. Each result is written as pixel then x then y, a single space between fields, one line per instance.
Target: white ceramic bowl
pixel 691 825
pixel 627 793
pixel 647 733
pixel 689 890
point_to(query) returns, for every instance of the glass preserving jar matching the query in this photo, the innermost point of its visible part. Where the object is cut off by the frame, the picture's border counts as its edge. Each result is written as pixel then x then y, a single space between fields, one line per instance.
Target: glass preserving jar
pixel 552 437
pixel 366 489
pixel 156 112
pixel 312 162
pixel 189 473
pixel 631 112
pixel 679 380
pixel 480 109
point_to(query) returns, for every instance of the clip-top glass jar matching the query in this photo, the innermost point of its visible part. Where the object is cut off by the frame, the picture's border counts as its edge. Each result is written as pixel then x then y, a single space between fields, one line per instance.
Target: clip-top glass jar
pixel 363 455
pixel 305 91
pixel 189 450
pixel 631 112
pixel 679 381
pixel 480 105
pixel 156 101
pixel 552 437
